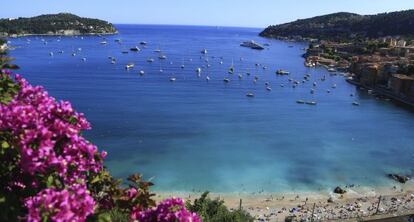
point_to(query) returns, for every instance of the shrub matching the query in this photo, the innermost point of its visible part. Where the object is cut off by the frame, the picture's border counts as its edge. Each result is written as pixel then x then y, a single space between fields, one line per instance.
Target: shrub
pixel 215 210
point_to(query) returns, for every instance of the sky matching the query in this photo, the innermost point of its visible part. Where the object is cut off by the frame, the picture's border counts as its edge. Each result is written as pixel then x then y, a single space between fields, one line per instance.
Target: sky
pixel 244 13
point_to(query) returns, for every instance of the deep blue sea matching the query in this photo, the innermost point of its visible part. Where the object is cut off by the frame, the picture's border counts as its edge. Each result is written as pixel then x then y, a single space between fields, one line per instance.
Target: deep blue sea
pixel 194 134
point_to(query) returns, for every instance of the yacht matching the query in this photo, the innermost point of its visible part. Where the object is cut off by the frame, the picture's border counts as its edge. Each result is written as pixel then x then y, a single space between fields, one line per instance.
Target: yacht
pixel 300 101
pixel 103 43
pixel 282 72
pixel 150 60
pixel 135 49
pixel 207 78
pixel 250 94
pixel 310 102
pixel 226 80
pixel 129 66
pixel 355 103
pixel 143 43
pixel 172 79
pixel 252 44
pixel 204 51
pixel 268 88
pixel 162 57
pixel 141 72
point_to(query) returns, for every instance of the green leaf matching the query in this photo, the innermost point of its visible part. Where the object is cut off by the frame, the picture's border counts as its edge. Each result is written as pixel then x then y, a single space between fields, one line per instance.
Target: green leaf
pixel 95 180
pixel 49 181
pixel 5 145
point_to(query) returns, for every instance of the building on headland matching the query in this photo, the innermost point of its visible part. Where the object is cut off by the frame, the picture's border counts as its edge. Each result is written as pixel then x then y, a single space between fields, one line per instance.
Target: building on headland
pixel 402 85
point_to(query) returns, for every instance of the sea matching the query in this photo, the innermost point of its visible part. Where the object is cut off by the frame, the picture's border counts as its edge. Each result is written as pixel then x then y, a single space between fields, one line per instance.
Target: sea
pixel 194 134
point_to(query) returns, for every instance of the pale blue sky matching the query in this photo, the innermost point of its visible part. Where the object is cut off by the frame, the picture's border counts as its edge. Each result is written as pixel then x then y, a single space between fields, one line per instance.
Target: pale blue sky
pixel 258 13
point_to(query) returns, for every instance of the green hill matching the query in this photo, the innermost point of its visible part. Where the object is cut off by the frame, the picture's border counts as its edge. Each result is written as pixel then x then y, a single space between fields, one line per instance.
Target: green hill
pixel 345 25
pixel 55 24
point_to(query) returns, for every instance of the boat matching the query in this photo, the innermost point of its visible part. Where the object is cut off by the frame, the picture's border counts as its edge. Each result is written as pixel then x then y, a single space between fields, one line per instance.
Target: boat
pixel 300 101
pixel 141 72
pixel 182 66
pixel 135 49
pixel 204 51
pixel 61 51
pixel 150 60
pixel 162 57
pixel 117 40
pixel 334 86
pixel 252 44
pixel 124 52
pixel 172 79
pixel 226 80
pixel 207 78
pixel 198 70
pixel 73 54
pixel 231 69
pixel 268 88
pixel 103 43
pixel 310 102
pixel 84 59
pixel 51 53
pixel 331 70
pixel 282 72
pixel 240 76
pixel 157 50
pixel 250 94
pixel 129 66
pixel 113 61
pixel 143 43
pixel 355 103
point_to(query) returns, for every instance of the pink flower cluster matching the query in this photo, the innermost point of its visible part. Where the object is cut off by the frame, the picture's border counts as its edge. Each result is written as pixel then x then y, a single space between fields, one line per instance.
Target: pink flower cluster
pixel 47 133
pixel 72 204
pixel 169 210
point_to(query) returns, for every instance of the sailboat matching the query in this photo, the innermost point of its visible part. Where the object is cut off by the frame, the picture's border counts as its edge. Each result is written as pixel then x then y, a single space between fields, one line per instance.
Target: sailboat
pixel 231 69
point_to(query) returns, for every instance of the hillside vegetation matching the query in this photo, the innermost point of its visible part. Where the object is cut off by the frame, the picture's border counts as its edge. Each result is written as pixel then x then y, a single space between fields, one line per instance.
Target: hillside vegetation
pixel 56 24
pixel 345 25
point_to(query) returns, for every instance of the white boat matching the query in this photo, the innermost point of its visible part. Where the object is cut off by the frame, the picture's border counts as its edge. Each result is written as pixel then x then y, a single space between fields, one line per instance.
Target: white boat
pixel 249 94
pixel 129 66
pixel 310 102
pixel 334 86
pixel 182 66
pixel 207 78
pixel 172 79
pixel 355 103
pixel 143 43
pixel 240 76
pixel 84 59
pixel 252 44
pixel 198 70
pixel 300 101
pixel 113 61
pixel 51 53
pixel 141 72
pixel 282 72
pixel 226 80
pixel 162 57
pixel 331 70
pixel 103 43
pixel 204 51
pixel 150 60
pixel 268 88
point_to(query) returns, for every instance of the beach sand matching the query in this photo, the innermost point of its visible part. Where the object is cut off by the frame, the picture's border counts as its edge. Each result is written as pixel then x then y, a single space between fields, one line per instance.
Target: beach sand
pixel 358 203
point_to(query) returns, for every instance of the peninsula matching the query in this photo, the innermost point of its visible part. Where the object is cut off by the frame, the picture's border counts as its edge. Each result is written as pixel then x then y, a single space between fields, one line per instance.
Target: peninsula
pixel 54 24
pixel 376 52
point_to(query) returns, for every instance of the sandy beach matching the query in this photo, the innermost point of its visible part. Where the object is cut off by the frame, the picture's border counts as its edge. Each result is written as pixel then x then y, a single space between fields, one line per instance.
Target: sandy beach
pixel 358 203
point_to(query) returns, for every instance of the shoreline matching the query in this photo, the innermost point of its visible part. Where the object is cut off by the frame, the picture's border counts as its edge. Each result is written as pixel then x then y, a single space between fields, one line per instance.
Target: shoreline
pixel 357 202
pixel 45 34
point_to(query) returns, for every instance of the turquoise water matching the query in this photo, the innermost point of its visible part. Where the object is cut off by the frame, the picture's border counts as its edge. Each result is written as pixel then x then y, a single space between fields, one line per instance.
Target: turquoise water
pixel 197 135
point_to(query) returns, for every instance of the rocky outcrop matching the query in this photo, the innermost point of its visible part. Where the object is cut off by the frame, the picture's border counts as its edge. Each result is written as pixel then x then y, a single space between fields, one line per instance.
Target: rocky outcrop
pixel 339 190
pixel 399 178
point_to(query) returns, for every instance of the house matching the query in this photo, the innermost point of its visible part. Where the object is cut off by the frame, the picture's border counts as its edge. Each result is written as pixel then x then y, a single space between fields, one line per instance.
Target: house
pixel 401 43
